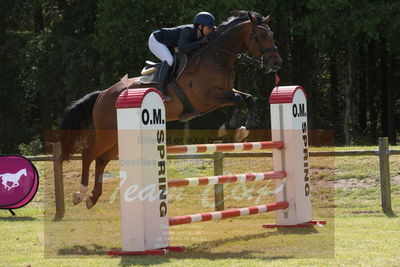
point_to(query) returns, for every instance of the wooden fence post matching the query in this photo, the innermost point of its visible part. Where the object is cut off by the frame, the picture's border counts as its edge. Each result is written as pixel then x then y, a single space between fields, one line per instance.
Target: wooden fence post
pixel 385 176
pixel 58 180
pixel 219 188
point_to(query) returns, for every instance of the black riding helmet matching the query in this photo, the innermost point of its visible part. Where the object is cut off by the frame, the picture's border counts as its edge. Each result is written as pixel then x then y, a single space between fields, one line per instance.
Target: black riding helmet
pixel 204 18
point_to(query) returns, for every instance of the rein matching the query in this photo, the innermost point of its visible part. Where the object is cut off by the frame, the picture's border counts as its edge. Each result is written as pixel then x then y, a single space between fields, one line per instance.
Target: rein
pixel 244 58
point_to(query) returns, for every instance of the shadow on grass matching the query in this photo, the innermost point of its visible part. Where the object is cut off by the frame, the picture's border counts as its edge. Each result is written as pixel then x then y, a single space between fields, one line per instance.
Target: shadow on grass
pixel 389 214
pixel 278 232
pixel 58 217
pixel 193 255
pixel 198 251
pixel 83 250
pixel 17 219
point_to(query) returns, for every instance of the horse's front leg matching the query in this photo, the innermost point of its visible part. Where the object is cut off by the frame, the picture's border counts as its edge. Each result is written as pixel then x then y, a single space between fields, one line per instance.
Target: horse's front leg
pixel 225 98
pixel 251 104
pixel 7 186
pixel 236 118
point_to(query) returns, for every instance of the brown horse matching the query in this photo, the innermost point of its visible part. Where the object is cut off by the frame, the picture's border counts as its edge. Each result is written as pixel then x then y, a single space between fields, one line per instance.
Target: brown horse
pixel 207 83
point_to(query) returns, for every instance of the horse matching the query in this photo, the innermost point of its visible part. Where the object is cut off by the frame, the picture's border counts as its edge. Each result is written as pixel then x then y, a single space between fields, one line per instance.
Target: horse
pixel 13 178
pixel 207 83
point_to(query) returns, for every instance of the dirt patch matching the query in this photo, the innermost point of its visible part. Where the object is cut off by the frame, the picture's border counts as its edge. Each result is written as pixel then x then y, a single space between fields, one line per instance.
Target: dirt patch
pixel 353 183
pixel 395 180
pixel 71 174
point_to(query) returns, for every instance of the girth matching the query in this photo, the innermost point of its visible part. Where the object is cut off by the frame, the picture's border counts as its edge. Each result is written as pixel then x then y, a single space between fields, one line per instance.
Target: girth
pixel 189 112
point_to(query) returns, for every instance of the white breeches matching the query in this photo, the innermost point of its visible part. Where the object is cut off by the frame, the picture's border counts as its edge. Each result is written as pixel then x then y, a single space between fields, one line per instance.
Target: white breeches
pixel 160 50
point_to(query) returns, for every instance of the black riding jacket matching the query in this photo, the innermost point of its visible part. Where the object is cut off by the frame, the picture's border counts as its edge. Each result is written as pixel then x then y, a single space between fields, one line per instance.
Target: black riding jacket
pixel 184 37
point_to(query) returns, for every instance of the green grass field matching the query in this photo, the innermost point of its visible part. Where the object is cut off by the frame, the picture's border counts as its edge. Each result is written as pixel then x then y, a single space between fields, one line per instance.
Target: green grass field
pixel 346 193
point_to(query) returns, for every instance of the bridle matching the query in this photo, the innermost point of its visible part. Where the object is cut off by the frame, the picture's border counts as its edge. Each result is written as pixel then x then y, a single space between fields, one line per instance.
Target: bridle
pixel 245 57
pixel 260 59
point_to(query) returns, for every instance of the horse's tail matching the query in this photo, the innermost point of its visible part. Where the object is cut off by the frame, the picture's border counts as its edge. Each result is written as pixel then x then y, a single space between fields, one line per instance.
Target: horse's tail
pixel 78 116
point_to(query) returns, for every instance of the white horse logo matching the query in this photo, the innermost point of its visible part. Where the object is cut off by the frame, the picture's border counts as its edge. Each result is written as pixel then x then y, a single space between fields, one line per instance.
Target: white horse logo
pixel 12 178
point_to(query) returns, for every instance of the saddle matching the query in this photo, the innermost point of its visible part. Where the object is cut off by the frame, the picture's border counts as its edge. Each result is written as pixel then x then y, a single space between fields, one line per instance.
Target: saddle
pixel 150 71
pixel 150 75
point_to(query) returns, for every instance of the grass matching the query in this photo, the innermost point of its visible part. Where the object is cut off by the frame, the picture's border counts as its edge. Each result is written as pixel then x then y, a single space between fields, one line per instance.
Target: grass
pixel 358 233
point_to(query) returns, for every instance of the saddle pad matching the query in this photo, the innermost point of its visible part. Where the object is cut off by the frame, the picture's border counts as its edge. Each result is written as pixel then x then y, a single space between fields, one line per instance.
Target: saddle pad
pixel 177 69
pixel 150 78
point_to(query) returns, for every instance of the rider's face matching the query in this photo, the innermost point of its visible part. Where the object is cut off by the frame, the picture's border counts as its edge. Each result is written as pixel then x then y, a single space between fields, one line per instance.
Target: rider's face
pixel 206 30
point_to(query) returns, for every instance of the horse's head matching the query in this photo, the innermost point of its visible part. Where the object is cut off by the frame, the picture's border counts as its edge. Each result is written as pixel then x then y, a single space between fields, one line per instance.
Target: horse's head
pixel 261 43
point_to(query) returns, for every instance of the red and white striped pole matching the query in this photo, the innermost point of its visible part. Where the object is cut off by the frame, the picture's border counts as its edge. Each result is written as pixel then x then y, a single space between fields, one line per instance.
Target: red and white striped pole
pixel 227 179
pixel 219 215
pixel 210 148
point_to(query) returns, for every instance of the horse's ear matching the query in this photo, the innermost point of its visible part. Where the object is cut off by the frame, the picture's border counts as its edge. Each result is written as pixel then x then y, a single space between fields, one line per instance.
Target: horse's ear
pixel 267 18
pixel 252 18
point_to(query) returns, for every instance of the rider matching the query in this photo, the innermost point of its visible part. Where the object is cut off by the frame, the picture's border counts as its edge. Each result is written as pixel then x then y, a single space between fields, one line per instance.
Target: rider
pixel 186 37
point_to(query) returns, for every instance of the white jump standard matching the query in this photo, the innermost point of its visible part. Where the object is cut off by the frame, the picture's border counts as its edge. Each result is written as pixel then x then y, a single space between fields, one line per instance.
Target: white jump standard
pixel 143 166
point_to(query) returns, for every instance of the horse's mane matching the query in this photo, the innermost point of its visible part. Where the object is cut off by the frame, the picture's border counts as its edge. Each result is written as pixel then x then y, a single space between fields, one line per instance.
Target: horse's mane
pixel 237 17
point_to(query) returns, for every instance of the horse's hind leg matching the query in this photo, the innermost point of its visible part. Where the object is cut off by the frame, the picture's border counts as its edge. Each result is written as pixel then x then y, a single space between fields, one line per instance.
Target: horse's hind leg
pixel 103 142
pixel 101 163
pixel 4 182
pixel 87 159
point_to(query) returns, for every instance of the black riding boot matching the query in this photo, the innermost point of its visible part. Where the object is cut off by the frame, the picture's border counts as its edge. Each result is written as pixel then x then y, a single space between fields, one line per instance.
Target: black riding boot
pixel 162 78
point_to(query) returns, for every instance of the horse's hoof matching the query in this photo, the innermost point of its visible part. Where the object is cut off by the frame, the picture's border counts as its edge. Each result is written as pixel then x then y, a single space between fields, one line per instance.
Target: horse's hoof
pixel 89 203
pixel 251 124
pixel 241 134
pixel 77 198
pixel 222 131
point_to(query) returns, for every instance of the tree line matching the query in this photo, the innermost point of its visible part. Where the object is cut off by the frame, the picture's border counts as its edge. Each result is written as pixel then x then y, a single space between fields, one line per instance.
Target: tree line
pixel 345 53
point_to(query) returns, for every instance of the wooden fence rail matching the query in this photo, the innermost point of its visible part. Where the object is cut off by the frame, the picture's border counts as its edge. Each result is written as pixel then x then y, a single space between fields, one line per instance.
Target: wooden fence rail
pixel 218 158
